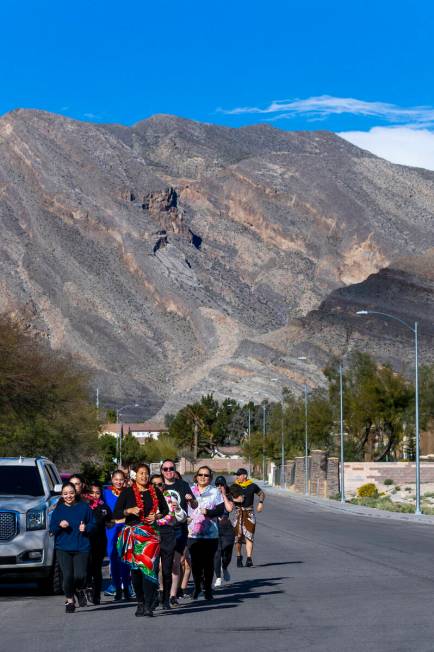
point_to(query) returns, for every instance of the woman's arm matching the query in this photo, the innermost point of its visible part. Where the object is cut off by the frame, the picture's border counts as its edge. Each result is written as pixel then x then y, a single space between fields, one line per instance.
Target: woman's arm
pixel 54 522
pixel 219 510
pixel 120 506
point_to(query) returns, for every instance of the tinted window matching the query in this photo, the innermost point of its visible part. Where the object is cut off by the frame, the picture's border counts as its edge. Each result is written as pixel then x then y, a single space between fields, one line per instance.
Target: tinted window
pixel 20 481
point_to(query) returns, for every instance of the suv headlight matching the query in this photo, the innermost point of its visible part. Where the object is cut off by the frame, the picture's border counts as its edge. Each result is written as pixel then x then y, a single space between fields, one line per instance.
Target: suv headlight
pixel 36 519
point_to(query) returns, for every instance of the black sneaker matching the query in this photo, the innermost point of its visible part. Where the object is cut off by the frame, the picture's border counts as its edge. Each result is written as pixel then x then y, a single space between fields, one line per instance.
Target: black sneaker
pixel 89 595
pixel 81 597
pixel 69 608
pixel 173 601
pixel 140 611
pixel 208 595
pixel 196 594
pixel 249 562
pixel 118 595
pixel 239 562
pixel 166 605
pixel 148 612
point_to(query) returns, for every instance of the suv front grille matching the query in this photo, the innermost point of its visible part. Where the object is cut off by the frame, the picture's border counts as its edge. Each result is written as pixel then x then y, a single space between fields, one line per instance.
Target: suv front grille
pixel 8 526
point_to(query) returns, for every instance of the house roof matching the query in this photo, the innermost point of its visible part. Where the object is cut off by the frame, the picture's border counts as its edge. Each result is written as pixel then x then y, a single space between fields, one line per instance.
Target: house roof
pixel 146 426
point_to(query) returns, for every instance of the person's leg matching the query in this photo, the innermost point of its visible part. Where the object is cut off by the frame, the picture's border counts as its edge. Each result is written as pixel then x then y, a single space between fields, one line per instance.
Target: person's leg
pixel 249 548
pixel 98 558
pixel 149 589
pixel 226 554
pixel 186 570
pixel 167 553
pixel 67 567
pixel 196 565
pixel 81 564
pixel 218 560
pixel 176 573
pixel 209 547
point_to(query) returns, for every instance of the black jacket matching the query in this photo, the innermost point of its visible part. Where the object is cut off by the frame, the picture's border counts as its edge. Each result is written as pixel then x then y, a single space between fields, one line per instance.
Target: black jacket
pixel 127 499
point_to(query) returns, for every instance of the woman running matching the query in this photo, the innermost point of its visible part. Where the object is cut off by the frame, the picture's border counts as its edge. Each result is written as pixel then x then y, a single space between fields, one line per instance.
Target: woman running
pixel 144 507
pixel 203 532
pixel 71 524
pixel 168 538
pixel 120 572
pixel 226 542
pixel 98 541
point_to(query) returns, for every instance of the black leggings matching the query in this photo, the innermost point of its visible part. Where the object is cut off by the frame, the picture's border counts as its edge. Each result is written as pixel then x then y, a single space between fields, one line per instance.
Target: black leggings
pixel 223 555
pixel 202 553
pixel 144 588
pixel 74 570
pixel 94 575
pixel 167 552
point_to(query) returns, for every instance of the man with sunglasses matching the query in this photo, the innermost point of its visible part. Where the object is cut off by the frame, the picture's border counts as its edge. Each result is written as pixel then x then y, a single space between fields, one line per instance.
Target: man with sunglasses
pixel 182 492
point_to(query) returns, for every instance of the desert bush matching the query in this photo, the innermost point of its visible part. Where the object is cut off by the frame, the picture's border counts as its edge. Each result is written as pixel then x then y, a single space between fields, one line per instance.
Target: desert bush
pixel 388 481
pixel 367 490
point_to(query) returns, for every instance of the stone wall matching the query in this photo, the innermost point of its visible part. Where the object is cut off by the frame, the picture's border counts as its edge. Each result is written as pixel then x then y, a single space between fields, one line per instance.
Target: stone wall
pixel 402 473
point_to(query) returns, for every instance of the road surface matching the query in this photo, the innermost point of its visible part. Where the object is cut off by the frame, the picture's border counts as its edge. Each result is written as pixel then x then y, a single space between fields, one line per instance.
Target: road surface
pixel 322 581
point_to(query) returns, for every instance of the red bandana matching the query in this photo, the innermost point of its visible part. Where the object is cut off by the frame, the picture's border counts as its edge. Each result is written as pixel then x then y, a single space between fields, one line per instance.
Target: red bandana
pixel 139 499
pixel 115 492
pixel 94 503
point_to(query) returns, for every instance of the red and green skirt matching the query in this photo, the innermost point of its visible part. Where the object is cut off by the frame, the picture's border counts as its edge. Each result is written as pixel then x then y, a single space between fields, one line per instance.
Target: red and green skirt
pixel 139 547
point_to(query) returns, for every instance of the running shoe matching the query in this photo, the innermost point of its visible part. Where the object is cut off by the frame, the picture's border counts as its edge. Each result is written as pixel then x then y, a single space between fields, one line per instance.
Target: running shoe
pixel 140 610
pixel 239 562
pixel 110 590
pixel 69 608
pixel 118 595
pixel 226 575
pixel 173 601
pixel 249 562
pixel 81 597
pixel 89 594
pixel 218 583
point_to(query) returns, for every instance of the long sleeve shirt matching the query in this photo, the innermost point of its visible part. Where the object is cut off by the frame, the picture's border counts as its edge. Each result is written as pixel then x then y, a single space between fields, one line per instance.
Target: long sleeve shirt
pixel 127 499
pixel 202 526
pixel 70 538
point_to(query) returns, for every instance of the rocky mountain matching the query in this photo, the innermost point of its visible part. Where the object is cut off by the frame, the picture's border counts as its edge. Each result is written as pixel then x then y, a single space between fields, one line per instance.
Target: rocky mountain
pixel 175 258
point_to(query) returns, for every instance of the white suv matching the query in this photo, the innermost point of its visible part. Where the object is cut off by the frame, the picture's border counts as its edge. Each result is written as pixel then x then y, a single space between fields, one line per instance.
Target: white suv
pixel 29 491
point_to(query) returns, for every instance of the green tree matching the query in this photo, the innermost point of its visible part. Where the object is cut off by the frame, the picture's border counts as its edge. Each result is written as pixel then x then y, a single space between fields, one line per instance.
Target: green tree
pixel 44 399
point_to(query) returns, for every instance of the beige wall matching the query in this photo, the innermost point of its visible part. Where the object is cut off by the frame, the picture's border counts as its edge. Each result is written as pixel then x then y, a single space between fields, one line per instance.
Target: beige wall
pixel 402 473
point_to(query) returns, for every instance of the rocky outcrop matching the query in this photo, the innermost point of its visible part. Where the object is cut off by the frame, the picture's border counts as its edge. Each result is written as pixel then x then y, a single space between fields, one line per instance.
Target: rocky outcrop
pixel 175 258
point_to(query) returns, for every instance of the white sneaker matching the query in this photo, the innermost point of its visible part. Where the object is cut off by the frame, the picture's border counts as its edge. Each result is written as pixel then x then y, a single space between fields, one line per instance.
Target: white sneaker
pixel 218 583
pixel 226 575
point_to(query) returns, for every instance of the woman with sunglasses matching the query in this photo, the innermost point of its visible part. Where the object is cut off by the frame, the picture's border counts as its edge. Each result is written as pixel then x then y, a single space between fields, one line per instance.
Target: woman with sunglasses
pixel 203 534
pixel 144 508
pixel 168 537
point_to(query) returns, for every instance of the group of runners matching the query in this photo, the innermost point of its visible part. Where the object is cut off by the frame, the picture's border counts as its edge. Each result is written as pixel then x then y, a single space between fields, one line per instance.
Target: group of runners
pixel 157 531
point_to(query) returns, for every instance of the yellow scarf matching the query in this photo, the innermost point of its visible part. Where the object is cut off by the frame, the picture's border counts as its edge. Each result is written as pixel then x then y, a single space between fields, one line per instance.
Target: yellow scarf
pixel 245 483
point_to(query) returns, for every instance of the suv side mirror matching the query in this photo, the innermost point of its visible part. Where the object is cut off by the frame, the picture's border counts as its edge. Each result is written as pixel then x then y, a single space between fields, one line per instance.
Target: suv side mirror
pixel 57 489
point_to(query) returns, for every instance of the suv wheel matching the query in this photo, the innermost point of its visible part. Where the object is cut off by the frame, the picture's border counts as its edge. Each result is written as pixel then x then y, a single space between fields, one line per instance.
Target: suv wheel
pixel 53 584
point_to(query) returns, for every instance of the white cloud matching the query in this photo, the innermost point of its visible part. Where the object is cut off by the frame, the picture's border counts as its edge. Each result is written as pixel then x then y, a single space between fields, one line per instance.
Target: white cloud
pixel 323 106
pixel 404 145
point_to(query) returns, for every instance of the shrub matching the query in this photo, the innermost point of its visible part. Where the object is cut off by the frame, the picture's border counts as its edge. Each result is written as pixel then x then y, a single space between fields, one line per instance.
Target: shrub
pixel 397 487
pixel 407 488
pixel 368 490
pixel 388 481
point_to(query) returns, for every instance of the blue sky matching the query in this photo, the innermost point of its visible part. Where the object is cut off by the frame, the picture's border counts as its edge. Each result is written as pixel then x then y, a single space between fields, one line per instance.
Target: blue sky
pixel 362 68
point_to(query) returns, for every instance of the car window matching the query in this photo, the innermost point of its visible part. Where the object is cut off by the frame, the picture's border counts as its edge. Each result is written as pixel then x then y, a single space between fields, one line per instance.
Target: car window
pixel 20 481
pixel 50 479
pixel 55 474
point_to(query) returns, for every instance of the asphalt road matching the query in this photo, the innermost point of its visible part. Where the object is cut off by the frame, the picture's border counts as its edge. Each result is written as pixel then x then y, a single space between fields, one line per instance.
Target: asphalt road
pixel 322 580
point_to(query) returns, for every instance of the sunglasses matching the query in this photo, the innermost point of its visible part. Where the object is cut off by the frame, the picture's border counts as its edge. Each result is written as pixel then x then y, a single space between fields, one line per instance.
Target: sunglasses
pixel 168 468
pixel 203 475
pixel 158 484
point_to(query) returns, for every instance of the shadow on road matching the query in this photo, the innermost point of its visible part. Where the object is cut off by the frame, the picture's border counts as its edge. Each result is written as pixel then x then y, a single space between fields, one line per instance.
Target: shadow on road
pixel 278 563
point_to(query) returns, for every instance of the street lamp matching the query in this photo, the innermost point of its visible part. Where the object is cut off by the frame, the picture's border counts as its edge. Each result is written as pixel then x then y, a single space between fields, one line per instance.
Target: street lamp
pixel 306 480
pixel 118 413
pixel 264 408
pixel 341 419
pixel 414 330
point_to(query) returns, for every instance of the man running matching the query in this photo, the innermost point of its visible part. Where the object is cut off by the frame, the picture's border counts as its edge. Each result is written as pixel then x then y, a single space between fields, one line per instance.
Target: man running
pixel 181 492
pixel 245 516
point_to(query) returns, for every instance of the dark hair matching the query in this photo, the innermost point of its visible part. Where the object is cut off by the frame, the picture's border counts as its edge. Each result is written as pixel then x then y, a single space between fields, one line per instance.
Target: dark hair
pixel 69 484
pixel 96 483
pixel 118 471
pixel 77 475
pixel 167 460
pixel 155 475
pixel 179 475
pixel 204 466
pixel 143 465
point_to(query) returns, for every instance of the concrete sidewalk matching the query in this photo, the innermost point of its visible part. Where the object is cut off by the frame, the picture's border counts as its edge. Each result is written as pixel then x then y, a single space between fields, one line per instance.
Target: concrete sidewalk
pixel 327 503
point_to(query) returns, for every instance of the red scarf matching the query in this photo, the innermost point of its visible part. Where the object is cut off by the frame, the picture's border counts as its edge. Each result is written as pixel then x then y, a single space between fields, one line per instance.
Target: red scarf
pixel 139 499
pixel 94 503
pixel 115 492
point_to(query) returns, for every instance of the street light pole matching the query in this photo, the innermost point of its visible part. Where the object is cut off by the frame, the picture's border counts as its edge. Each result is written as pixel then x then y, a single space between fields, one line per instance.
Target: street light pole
pixel 414 330
pixel 341 402
pixel 282 443
pixel 263 443
pixel 249 431
pixel 306 481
